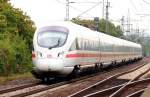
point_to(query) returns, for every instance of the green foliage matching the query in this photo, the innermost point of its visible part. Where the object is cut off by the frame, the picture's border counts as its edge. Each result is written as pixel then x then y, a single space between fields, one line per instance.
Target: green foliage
pixel 15 56
pixel 113 30
pixel 16 31
pixel 146 48
pixel 85 23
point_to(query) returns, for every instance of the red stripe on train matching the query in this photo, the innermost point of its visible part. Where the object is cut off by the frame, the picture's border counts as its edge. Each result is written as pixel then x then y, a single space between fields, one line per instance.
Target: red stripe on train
pixel 94 55
pixel 81 55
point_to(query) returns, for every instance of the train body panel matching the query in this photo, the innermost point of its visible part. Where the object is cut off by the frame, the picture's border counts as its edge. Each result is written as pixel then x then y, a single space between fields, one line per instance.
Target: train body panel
pixel 62 46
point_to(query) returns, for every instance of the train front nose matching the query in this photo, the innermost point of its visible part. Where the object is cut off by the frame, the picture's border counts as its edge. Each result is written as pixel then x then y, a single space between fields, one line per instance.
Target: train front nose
pixel 48 65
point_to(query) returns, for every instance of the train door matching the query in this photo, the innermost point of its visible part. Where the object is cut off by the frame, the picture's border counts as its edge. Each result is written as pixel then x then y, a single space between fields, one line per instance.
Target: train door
pixel 99 52
pixel 99 45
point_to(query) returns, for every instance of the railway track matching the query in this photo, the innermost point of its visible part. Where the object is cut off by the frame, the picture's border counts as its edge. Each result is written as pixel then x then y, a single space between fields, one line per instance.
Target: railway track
pixel 108 92
pixel 42 87
pixel 18 87
pixel 113 87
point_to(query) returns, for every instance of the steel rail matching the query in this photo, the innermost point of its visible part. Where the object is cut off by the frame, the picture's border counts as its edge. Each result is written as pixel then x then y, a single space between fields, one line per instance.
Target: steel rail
pixel 137 93
pixel 90 88
pixel 34 84
pixel 57 84
pixel 51 86
pixel 19 87
pixel 39 90
pixel 109 91
pixel 122 89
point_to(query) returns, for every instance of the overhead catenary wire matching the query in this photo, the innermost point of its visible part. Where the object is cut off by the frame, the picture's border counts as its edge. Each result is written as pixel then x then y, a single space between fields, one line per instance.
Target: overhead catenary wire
pixel 84 2
pixel 89 9
pixel 133 4
pixel 75 7
pixel 80 11
pixel 60 2
pixel 146 2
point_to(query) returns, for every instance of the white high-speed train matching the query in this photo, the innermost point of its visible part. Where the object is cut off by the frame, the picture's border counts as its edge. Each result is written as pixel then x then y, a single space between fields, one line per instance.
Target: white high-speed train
pixel 63 48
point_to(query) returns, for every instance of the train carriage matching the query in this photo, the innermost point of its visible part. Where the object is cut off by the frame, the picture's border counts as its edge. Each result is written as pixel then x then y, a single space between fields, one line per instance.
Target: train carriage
pixel 63 48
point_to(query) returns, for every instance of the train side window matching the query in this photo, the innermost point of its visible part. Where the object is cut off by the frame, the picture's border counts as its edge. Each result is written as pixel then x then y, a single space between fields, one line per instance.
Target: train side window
pixel 74 46
pixel 85 44
pixel 77 44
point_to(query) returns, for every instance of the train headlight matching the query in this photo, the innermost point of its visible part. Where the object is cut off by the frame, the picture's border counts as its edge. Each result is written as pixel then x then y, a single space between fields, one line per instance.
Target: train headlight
pixel 39 55
pixel 61 54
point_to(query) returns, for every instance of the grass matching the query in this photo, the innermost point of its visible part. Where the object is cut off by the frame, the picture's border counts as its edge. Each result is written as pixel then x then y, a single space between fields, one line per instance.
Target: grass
pixel 5 79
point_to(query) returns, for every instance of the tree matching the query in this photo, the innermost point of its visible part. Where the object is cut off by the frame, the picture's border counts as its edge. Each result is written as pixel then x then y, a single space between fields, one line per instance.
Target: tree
pixel 16 32
pixel 85 23
pixel 113 30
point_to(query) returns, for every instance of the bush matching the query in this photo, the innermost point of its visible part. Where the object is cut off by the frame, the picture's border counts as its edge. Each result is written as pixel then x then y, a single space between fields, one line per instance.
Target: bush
pixel 16 31
pixel 14 56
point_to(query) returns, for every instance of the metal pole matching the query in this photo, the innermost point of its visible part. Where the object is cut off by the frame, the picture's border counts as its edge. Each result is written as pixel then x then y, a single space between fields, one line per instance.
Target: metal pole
pixel 122 23
pixel 128 23
pixel 103 10
pixel 96 21
pixel 107 13
pixel 67 10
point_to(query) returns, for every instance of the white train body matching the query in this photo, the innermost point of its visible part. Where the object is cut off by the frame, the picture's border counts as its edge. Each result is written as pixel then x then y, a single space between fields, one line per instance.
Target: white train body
pixel 61 46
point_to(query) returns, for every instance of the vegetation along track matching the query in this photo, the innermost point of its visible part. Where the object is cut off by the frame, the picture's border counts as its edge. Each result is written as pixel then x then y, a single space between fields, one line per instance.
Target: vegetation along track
pixel 42 87
pixel 112 84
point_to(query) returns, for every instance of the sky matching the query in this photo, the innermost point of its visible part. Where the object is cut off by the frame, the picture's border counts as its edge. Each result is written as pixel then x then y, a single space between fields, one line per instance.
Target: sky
pixel 44 11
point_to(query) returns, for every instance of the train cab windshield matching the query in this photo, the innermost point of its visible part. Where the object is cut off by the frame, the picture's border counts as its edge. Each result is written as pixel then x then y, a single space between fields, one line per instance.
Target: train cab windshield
pixel 52 38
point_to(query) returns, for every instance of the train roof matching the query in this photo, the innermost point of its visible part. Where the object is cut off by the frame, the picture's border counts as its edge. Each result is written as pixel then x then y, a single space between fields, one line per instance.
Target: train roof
pixel 72 26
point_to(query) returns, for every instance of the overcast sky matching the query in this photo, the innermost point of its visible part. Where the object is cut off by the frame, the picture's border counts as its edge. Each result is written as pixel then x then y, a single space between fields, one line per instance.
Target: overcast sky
pixel 42 11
